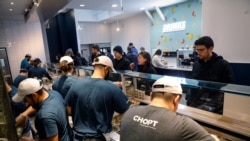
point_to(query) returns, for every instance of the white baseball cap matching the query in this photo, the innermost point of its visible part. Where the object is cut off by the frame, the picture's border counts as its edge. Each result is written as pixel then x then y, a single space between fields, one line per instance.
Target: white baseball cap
pixel 104 60
pixel 168 85
pixel 27 87
pixel 66 58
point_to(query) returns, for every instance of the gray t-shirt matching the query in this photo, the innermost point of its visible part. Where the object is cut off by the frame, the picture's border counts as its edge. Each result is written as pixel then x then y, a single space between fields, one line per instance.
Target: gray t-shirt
pixel 150 123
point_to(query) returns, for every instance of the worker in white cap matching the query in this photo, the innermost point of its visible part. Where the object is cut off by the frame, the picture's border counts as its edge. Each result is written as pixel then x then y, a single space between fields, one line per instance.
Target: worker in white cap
pixel 158 121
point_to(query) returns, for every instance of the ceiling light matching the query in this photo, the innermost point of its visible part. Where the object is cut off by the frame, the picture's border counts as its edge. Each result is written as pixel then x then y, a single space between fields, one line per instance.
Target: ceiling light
pixel 82 5
pixel 142 8
pixel 114 5
pixel 117 26
pixel 11 9
pixel 12 3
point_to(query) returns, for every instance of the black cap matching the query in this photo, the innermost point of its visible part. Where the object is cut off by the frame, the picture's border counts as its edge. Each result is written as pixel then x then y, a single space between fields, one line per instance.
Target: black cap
pixel 118 49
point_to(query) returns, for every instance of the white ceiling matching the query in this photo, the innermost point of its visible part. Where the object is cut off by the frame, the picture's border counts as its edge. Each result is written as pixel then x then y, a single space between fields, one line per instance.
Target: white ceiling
pixel 125 8
pixel 101 9
pixel 18 8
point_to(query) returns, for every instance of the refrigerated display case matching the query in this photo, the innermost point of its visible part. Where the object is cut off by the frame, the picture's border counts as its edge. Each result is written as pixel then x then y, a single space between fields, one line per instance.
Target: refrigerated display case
pixel 7 123
pixel 231 125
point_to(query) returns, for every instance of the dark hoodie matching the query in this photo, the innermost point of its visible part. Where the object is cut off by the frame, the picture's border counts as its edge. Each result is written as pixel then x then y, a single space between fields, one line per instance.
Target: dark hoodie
pixel 216 69
pixel 148 68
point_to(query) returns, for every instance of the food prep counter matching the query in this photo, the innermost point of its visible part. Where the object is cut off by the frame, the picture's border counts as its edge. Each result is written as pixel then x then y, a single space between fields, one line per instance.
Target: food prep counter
pixel 232 125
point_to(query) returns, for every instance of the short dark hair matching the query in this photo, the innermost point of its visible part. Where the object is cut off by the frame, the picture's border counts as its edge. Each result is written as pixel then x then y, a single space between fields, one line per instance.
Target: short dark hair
pixel 206 41
pixel 95 46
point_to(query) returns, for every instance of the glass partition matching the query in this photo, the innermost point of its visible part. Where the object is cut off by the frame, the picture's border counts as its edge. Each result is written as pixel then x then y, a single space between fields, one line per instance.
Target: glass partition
pixel 200 94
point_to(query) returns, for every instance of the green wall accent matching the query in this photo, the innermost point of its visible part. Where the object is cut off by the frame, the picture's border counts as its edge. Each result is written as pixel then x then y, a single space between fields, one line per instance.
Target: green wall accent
pixel 190 12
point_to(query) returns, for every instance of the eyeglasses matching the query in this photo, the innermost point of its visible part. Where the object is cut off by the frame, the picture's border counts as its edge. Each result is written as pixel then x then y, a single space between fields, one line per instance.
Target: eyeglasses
pixel 200 50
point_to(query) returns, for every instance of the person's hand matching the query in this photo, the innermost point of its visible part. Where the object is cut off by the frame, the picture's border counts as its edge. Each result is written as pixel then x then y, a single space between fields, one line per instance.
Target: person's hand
pixel 117 83
pixel 131 66
pixel 21 120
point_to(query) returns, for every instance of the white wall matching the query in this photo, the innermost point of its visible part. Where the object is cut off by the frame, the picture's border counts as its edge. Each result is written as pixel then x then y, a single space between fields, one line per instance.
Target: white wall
pixel 228 23
pixel 25 38
pixel 93 32
pixel 135 29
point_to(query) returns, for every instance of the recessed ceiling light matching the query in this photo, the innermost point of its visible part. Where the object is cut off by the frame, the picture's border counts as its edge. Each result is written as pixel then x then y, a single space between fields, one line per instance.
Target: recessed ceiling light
pixel 142 8
pixel 114 5
pixel 12 3
pixel 82 5
pixel 11 9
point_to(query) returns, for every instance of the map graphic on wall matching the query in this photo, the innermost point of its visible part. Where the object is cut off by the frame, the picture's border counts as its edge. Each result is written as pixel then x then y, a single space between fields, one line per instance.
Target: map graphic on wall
pixel 182 26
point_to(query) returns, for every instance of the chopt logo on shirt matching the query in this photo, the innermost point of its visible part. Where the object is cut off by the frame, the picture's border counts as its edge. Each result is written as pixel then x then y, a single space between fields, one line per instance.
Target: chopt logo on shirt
pixel 145 122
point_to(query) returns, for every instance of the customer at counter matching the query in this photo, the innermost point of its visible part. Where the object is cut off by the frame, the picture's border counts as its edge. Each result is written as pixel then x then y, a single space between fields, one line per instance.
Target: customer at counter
pixel 144 63
pixel 157 61
pixel 133 59
pixel 145 66
pixel 95 50
pixel 92 102
pixel 134 50
pixel 209 67
pixel 159 121
pixel 64 82
pixel 120 62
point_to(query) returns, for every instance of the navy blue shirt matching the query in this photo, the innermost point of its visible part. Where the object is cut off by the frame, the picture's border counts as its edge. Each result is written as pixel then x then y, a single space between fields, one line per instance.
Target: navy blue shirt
pixel 38 72
pixel 133 58
pixel 51 118
pixel 93 102
pixel 63 84
pixel 18 79
pixel 18 108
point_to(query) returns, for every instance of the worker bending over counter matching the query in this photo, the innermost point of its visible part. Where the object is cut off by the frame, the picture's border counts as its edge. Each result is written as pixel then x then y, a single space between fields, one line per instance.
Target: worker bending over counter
pixel 159 121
